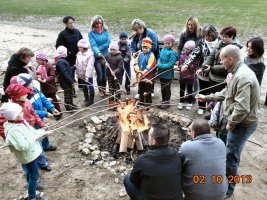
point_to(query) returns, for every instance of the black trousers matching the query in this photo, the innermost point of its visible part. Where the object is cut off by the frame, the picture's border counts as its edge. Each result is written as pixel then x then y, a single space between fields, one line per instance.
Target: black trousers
pixel 203 85
pixel 114 86
pixel 68 99
pixel 142 88
pixel 186 86
pixel 165 89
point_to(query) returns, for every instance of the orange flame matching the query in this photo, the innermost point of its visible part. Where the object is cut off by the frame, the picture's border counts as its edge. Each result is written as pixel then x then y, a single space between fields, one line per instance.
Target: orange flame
pixel 131 118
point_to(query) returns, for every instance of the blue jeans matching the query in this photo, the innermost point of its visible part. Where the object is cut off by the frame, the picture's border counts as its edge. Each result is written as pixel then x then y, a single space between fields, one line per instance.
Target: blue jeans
pixel 127 68
pixel 32 177
pixel 101 74
pixel 45 143
pixel 235 143
pixel 133 192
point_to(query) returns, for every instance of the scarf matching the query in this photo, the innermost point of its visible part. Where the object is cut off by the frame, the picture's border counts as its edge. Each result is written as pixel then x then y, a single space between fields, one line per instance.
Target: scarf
pixel 41 70
pixel 99 30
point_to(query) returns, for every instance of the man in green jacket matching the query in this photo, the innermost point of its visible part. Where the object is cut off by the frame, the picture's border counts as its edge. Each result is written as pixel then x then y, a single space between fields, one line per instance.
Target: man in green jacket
pixel 241 98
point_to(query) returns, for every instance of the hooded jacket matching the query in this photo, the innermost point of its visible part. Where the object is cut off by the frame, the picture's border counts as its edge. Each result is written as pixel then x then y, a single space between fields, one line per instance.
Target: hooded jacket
pixel 15 67
pixel 116 64
pixel 64 73
pixel 85 65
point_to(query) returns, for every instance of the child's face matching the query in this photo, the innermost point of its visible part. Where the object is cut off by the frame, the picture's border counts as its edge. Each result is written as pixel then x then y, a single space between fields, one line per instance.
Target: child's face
pixel 123 40
pixel 113 51
pixel 145 49
pixel 23 98
pixel 19 117
pixel 82 49
pixel 168 45
pixel 40 62
pixel 30 86
pixel 187 51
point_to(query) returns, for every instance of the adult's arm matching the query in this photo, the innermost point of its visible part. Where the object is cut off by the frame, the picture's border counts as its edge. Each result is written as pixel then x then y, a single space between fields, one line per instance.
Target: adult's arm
pixel 180 44
pixel 60 40
pixel 93 43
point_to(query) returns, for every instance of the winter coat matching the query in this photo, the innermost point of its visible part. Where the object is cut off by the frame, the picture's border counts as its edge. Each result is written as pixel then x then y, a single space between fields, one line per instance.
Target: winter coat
pixel 69 39
pixel 22 140
pixel 15 67
pixel 85 65
pixel 184 37
pixel 50 85
pixel 29 114
pixel 157 173
pixel 256 66
pixel 2 121
pixel 241 96
pixel 136 43
pixel 64 73
pixel 166 61
pixel 39 102
pixel 125 52
pixel 200 54
pixel 145 63
pixel 116 64
pixel 189 73
pixel 99 42
pixel 217 71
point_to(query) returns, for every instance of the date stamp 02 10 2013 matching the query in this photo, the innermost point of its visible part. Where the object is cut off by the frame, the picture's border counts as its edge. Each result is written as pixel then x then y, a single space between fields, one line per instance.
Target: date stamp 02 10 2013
pixel 218 179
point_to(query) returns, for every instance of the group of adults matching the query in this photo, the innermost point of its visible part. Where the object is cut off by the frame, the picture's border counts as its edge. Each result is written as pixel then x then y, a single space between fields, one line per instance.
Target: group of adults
pixel 153 173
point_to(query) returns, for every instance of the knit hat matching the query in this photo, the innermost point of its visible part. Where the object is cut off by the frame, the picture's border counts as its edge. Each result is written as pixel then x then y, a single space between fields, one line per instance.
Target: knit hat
pixel 169 38
pixel 13 80
pixel 83 43
pixel 10 110
pixel 147 42
pixel 114 45
pixel 62 51
pixel 41 56
pixel 24 79
pixel 190 45
pixel 123 35
pixel 15 91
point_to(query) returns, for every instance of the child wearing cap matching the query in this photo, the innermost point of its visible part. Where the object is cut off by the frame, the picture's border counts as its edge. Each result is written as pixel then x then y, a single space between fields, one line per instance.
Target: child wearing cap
pixel 39 103
pixel 18 94
pixel 144 67
pixel 22 140
pixel 166 61
pixel 46 75
pixel 65 77
pixel 115 72
pixel 124 48
pixel 84 70
pixel 187 76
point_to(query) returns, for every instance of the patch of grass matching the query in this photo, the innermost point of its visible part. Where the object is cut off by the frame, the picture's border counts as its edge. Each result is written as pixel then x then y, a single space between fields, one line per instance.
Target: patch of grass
pixel 247 16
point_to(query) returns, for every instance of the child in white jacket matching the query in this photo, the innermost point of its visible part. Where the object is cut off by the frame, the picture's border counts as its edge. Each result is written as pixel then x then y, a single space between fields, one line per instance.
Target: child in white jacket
pixel 23 143
pixel 84 70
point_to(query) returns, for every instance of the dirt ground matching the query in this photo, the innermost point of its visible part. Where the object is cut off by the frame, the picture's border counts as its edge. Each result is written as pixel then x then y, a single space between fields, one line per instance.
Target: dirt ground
pixel 71 177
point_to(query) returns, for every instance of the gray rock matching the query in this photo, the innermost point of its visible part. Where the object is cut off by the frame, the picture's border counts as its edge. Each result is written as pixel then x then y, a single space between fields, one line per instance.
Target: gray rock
pixel 88 140
pixel 89 135
pixel 117 180
pixel 96 120
pixel 105 155
pixel 122 193
pixel 93 147
pixel 105 165
pixel 96 152
pixel 85 151
pixel 98 127
pixel 112 163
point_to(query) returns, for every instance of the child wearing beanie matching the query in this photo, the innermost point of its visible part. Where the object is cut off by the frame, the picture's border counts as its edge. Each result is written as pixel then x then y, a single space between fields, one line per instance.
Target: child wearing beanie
pixel 166 61
pixel 84 70
pixel 39 103
pixel 187 76
pixel 124 48
pixel 18 94
pixel 65 77
pixel 46 75
pixel 115 72
pixel 144 67
pixel 22 140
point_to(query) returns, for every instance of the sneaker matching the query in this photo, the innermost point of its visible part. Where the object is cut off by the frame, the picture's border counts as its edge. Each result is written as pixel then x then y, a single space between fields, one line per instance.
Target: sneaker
pixel 180 106
pixel 228 196
pixel 136 96
pixel 200 111
pixel 46 168
pixel 188 106
pixel 51 148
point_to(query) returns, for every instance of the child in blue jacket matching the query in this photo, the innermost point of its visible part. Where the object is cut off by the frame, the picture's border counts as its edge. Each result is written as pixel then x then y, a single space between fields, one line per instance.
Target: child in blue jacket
pixel 166 61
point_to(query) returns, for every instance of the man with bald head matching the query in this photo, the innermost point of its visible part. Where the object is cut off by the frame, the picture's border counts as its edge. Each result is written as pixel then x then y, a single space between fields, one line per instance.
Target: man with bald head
pixel 241 98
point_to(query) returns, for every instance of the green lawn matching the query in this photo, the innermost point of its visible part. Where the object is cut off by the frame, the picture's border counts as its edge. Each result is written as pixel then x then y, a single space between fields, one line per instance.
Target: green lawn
pixel 248 16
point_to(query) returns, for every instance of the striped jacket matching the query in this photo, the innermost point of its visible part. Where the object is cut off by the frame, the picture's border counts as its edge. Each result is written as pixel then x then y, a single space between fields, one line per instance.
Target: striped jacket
pixel 145 63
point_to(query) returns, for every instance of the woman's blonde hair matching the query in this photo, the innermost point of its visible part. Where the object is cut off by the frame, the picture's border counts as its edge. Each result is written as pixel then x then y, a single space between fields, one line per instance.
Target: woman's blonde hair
pixel 196 24
pixel 95 20
pixel 137 24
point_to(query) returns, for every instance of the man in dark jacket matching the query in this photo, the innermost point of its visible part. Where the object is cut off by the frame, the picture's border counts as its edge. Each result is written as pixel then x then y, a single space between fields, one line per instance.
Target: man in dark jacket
pixel 16 64
pixel 69 38
pixel 156 174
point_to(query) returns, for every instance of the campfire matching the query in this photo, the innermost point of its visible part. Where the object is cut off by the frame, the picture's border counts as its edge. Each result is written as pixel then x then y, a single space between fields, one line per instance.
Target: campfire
pixel 131 127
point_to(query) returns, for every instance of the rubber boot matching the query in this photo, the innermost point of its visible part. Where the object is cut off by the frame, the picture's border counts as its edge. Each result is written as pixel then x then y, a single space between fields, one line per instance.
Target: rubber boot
pixel 91 99
pixel 86 100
